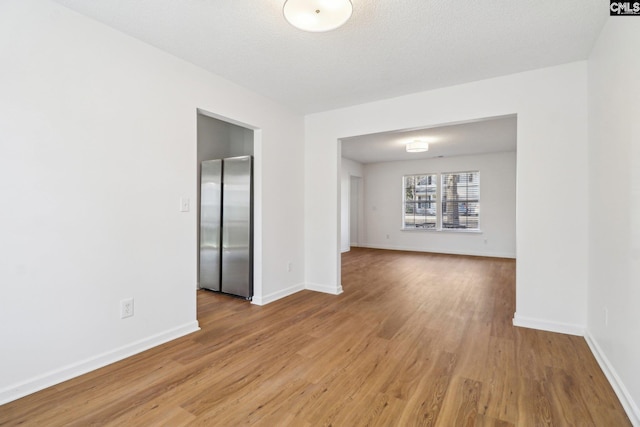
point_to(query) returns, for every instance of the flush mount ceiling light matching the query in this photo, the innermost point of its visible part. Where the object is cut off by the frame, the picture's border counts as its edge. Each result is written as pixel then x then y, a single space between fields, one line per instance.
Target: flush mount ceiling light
pixel 417 146
pixel 317 15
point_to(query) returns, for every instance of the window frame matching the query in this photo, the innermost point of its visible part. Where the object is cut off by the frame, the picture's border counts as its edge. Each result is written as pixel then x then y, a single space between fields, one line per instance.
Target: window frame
pixel 427 201
pixel 468 201
pixel 440 203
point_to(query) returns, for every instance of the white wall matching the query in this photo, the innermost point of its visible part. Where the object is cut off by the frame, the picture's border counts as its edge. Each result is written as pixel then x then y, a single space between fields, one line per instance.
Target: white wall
pixel 213 138
pixel 383 206
pixel 551 105
pixel 97 146
pixel 614 207
pixel 218 139
pixel 349 168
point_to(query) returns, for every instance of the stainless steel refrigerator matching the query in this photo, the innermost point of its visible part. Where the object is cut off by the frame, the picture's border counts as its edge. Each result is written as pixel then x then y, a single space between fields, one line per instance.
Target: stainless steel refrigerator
pixel 226 226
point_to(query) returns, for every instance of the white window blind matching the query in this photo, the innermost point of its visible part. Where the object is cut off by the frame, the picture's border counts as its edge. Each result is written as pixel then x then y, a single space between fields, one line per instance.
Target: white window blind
pixel 420 201
pixel 461 200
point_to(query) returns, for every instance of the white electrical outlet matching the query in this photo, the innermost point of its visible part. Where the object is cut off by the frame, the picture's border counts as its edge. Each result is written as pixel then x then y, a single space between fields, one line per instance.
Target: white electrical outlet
pixel 289 266
pixel 126 308
pixel 606 316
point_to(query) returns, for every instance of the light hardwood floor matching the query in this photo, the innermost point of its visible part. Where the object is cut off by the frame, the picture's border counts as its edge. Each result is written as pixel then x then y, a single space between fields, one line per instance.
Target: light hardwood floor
pixel 415 340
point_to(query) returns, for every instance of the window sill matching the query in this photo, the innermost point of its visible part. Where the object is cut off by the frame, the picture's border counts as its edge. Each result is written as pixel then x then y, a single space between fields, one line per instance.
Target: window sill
pixel 443 230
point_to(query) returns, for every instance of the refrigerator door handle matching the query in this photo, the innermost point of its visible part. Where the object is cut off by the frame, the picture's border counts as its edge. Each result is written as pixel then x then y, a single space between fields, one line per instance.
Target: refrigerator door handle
pixel 225 230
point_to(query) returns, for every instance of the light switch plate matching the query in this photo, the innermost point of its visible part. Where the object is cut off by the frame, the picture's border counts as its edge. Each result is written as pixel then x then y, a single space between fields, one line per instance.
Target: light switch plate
pixel 184 204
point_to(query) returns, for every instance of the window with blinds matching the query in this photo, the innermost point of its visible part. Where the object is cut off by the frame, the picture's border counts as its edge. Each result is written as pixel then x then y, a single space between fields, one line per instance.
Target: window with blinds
pixel 420 201
pixel 461 200
pixel 454 204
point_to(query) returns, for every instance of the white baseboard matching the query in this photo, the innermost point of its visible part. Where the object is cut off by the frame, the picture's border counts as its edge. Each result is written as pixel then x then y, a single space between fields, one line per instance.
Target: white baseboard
pixel 292 290
pixel 546 325
pixel 274 296
pixel 73 370
pixel 621 391
pixel 439 251
pixel 333 290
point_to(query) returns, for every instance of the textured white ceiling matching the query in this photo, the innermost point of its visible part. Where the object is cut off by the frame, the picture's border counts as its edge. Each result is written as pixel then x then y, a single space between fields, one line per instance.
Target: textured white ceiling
pixel 388 48
pixel 491 135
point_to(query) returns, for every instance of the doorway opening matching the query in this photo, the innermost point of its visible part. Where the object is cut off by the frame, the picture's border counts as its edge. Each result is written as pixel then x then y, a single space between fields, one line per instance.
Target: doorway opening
pixel 396 216
pixel 355 211
pixel 222 138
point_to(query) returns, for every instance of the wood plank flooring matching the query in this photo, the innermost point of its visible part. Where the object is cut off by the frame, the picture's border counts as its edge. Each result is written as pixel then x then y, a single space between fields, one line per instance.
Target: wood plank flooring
pixel 415 340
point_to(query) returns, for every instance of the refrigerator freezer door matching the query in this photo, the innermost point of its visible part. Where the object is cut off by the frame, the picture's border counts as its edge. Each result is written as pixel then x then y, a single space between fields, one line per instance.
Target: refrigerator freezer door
pixel 237 277
pixel 210 201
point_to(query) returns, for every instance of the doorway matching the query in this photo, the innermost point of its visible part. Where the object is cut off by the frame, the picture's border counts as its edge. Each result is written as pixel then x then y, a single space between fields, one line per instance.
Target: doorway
pixel 217 138
pixel 486 148
pixel 355 211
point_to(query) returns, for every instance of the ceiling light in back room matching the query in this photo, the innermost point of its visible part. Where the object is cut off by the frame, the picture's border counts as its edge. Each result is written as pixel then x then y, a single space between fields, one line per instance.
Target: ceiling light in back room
pixel 417 146
pixel 317 15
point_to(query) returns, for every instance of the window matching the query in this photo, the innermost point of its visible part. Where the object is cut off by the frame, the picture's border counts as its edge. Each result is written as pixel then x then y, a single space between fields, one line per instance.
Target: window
pixel 458 198
pixel 420 204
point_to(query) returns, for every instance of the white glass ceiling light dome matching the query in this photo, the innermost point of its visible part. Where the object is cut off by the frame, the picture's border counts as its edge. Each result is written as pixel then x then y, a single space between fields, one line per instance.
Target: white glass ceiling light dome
pixel 417 147
pixel 317 15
